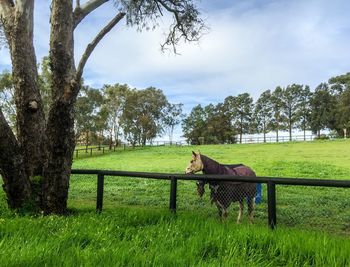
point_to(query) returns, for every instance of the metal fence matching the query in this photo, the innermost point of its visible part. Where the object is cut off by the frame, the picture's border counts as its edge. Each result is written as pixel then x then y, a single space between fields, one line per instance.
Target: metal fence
pixel 175 179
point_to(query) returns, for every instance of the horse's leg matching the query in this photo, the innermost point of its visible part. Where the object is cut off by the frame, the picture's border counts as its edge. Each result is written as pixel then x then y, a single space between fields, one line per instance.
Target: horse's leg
pixel 221 209
pixel 240 212
pixel 251 202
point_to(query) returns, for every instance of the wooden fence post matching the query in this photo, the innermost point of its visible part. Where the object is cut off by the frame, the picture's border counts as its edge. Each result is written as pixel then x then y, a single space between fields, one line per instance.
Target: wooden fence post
pixel 173 192
pixel 100 186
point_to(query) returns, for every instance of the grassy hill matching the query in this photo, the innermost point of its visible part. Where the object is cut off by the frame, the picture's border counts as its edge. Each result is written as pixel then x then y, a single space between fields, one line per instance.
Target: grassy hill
pixel 136 229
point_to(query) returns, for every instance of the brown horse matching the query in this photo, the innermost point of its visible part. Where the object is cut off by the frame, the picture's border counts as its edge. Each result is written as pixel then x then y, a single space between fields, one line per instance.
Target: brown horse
pixel 224 193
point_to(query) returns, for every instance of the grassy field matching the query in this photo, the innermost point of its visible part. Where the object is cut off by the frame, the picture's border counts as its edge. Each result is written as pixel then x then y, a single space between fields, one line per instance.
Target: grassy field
pixel 136 229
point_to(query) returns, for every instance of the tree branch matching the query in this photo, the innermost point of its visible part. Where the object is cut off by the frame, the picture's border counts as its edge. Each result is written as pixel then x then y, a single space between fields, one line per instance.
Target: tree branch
pixel 80 12
pixel 91 46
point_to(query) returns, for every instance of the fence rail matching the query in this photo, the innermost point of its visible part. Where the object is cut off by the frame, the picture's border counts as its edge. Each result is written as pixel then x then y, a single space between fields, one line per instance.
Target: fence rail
pixel 271 183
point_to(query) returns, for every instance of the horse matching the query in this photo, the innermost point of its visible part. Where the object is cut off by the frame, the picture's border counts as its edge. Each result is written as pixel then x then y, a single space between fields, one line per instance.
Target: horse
pixel 223 193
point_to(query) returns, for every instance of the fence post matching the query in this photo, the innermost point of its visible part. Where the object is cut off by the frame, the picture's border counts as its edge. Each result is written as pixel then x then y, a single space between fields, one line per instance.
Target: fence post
pixel 100 185
pixel 271 204
pixel 173 192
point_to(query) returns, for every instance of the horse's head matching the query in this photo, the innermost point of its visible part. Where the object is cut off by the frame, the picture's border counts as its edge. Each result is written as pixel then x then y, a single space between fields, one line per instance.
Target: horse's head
pixel 195 164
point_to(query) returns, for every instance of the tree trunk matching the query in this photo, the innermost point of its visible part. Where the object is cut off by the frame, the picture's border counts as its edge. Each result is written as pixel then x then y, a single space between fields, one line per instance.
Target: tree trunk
pixel 60 126
pixel 290 130
pixel 16 182
pixel 23 159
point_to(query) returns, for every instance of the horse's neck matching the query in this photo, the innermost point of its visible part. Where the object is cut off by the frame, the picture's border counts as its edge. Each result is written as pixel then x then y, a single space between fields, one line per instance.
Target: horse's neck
pixel 212 167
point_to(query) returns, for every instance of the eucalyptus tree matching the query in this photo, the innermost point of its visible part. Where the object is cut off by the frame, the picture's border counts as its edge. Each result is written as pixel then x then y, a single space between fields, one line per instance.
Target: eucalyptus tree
pixel 340 86
pixel 87 114
pixel 114 103
pixel 193 125
pixel 41 153
pixel 172 116
pixel 276 100
pixel 240 109
pixel 218 128
pixel 323 105
pixel 291 98
pixel 263 112
pixel 143 115
pixel 304 109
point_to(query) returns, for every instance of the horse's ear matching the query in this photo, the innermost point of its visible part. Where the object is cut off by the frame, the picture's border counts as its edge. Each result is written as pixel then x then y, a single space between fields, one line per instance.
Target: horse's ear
pixel 194 154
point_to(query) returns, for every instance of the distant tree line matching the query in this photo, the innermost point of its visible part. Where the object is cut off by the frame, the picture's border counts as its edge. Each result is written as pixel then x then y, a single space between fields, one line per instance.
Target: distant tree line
pixel 118 112
pixel 281 109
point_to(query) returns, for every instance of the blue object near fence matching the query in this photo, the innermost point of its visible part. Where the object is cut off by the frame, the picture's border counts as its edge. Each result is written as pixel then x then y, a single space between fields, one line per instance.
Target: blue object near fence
pixel 258 196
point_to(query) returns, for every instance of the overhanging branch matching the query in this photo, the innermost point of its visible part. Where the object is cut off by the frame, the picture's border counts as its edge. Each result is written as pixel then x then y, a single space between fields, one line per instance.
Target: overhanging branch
pixel 91 46
pixel 81 11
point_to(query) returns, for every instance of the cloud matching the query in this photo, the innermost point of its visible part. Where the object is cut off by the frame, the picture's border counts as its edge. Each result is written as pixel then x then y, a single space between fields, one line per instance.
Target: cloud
pixel 252 46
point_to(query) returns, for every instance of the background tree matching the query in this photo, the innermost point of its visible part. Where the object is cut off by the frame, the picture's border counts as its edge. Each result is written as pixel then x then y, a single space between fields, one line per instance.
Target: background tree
pixel 7 99
pixel 322 109
pixel 114 104
pixel 172 116
pixel 193 125
pixel 218 128
pixel 142 118
pixel 87 111
pixel 240 109
pixel 340 85
pixel 42 151
pixel 304 110
pixel 263 112
pixel 291 97
pixel 7 92
pixel 343 113
pixel 276 100
pixel 44 83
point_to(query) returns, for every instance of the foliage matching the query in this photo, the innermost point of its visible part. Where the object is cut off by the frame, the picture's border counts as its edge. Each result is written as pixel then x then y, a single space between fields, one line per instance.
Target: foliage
pixel 322 109
pixel 276 100
pixel 208 125
pixel 263 112
pixel 172 117
pixel 88 114
pixel 114 104
pixel 291 99
pixel 143 115
pixel 187 24
pixel 7 104
pixel 45 82
pixel 240 110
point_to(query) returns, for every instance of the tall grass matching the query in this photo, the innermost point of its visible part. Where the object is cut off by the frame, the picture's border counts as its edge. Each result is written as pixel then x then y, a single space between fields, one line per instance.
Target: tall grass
pixel 142 237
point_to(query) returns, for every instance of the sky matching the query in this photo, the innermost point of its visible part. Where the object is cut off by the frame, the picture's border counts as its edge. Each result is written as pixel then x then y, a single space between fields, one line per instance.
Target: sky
pixel 251 46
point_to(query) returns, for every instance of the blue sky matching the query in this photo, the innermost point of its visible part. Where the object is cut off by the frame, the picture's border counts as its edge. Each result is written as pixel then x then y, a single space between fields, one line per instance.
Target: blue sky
pixel 252 46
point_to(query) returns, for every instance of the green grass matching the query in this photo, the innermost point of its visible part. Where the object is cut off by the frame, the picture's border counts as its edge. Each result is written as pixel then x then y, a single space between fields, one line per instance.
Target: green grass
pixel 136 228
pixel 314 208
pixel 142 237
